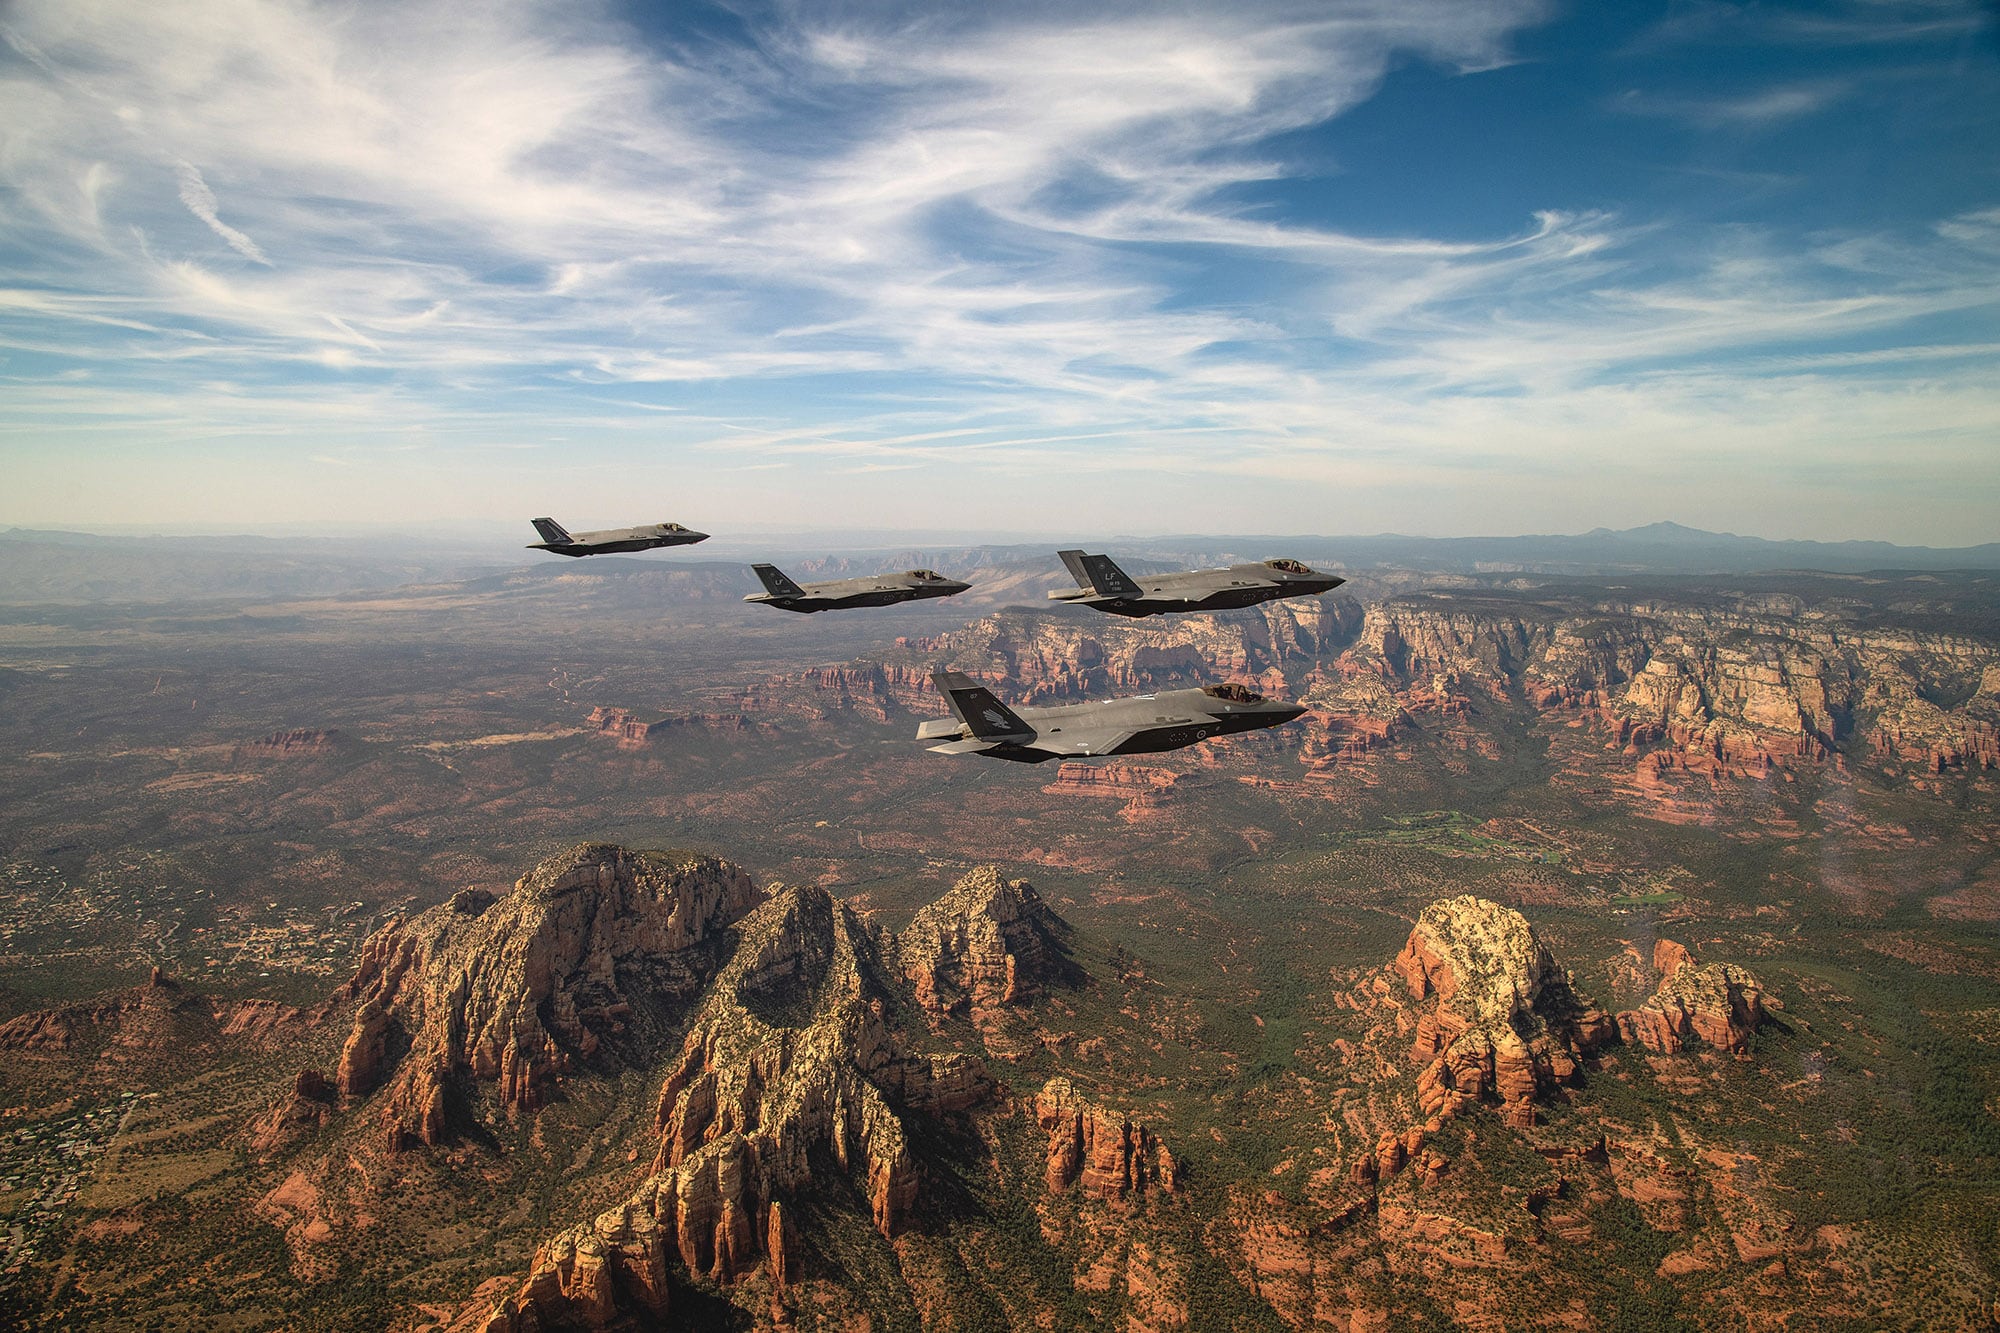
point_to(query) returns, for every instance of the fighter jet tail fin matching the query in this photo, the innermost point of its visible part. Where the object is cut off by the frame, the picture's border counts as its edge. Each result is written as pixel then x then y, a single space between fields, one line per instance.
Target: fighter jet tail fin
pixel 552 532
pixel 1100 574
pixel 984 715
pixel 776 583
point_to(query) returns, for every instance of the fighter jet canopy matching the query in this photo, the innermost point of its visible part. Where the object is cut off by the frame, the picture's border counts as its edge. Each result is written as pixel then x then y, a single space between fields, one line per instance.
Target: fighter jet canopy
pixel 1234 693
pixel 1288 566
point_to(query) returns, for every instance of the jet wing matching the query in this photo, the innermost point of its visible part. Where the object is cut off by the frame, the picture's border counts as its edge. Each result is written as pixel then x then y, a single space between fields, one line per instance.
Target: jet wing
pixel 1085 740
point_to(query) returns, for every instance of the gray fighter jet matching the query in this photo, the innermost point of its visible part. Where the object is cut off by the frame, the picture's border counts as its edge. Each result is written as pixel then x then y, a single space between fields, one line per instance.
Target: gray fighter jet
pixel 1100 583
pixel 838 594
pixel 554 538
pixel 1143 724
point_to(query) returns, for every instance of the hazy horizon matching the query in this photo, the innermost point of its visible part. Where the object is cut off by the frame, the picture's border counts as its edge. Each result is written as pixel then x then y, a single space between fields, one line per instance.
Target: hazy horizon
pixel 485 530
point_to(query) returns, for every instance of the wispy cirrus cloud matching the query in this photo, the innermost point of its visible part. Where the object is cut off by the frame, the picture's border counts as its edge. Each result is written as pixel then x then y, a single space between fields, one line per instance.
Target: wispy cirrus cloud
pixel 999 240
pixel 1752 110
pixel 200 201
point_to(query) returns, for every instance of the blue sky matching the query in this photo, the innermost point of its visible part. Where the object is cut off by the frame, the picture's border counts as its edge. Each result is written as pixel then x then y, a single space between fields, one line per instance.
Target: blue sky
pixel 1435 268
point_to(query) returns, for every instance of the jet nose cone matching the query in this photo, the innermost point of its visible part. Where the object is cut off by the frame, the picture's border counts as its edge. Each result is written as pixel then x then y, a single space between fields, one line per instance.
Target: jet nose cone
pixel 1283 713
pixel 694 536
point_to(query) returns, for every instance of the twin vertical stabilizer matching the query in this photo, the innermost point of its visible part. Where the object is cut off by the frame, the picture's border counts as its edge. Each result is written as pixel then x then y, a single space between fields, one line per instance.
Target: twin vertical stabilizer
pixel 777 582
pixel 1100 574
pixel 979 709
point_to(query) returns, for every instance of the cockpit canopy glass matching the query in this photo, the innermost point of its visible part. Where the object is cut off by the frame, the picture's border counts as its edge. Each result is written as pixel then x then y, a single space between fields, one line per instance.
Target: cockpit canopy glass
pixel 1288 566
pixel 925 575
pixel 1234 693
pixel 672 527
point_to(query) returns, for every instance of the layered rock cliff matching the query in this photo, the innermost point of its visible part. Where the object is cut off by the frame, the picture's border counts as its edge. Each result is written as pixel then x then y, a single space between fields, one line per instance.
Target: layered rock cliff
pixel 792 1065
pixel 1725 690
pixel 145 1021
pixel 1721 1005
pixel 1042 656
pixel 988 943
pixel 1507 1022
pixel 580 958
pixel 1110 1154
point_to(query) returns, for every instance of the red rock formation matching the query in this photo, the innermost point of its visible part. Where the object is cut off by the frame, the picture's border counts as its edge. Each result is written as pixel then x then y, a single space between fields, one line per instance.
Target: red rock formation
pixel 1112 1156
pixel 877 690
pixel 1721 1005
pixel 591 1276
pixel 1038 658
pixel 1119 781
pixel 989 942
pixel 521 989
pixel 158 1016
pixel 1669 957
pixel 1688 690
pixel 366 1051
pixel 1507 1022
pixel 789 1061
pixel 632 733
pixel 724 1152
pixel 292 1118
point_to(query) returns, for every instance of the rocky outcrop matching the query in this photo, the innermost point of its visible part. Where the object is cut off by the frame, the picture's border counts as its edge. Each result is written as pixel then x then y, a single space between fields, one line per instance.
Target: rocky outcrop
pixel 1124 782
pixel 160 1016
pixel 793 1052
pixel 295 1117
pixel 791 1065
pixel 298 742
pixel 590 1276
pixel 631 733
pixel 1507 1022
pixel 1670 957
pixel 1697 688
pixel 1911 727
pixel 1720 1005
pixel 988 943
pixel 583 958
pixel 634 733
pixel 1038 656
pixel 1113 1157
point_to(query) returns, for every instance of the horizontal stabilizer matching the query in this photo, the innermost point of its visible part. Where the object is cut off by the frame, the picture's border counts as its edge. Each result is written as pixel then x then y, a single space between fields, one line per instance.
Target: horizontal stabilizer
pixel 1100 574
pixel 776 582
pixel 971 746
pixel 979 708
pixel 552 532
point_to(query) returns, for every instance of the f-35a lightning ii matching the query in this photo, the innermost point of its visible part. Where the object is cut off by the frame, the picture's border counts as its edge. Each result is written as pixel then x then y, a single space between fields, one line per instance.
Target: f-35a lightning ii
pixel 1100 583
pixel 646 538
pixel 838 594
pixel 1144 724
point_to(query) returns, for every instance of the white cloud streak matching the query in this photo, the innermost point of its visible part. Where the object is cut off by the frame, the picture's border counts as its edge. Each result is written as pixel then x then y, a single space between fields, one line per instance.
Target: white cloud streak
pixel 200 201
pixel 1009 242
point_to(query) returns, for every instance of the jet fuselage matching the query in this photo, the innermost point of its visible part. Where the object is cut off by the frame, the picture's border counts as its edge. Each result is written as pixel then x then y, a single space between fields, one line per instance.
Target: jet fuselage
pixel 1142 724
pixel 611 541
pixel 1107 588
pixel 912 585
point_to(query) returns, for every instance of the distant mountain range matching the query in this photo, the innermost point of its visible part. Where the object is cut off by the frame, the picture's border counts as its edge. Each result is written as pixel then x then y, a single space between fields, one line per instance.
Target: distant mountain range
pixel 1659 548
pixel 64 567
